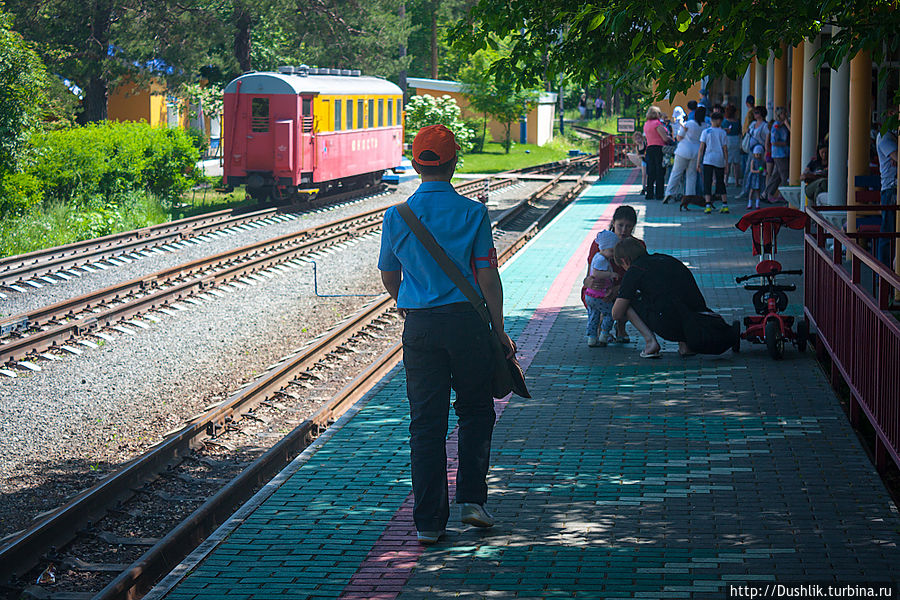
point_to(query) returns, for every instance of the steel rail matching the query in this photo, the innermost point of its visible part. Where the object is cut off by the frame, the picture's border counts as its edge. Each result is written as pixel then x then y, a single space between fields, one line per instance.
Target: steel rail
pixel 46 262
pixel 23 267
pixel 8 262
pixel 277 250
pixel 142 574
pixel 61 526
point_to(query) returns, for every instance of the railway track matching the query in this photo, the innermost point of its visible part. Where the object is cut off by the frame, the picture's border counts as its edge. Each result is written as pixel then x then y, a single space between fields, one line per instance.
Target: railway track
pixel 71 321
pixel 39 553
pixel 59 264
pixel 83 321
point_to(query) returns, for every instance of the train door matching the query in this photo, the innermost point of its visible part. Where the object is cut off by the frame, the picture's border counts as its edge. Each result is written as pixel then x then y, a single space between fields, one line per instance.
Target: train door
pixel 259 136
pixel 307 141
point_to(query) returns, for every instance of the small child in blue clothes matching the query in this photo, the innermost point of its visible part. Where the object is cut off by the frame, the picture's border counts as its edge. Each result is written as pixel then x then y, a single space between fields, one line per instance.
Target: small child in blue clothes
pixel 600 309
pixel 757 176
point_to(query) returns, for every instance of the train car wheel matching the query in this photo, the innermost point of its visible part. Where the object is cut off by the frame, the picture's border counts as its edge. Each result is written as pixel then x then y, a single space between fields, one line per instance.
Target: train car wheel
pixel 260 194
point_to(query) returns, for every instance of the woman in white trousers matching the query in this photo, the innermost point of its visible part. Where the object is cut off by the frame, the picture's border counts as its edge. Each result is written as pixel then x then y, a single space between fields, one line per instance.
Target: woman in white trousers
pixel 685 162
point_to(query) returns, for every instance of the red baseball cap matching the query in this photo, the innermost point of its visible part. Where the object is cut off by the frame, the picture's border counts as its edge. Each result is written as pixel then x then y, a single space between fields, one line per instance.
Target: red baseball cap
pixel 436 143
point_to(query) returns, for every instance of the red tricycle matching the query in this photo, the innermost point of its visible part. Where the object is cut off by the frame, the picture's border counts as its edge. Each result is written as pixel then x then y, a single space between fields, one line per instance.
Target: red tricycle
pixel 769 326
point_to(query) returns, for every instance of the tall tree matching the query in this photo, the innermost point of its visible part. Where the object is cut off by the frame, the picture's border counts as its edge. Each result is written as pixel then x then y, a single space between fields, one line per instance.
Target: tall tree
pixel 353 34
pixel 493 95
pixel 430 21
pixel 669 41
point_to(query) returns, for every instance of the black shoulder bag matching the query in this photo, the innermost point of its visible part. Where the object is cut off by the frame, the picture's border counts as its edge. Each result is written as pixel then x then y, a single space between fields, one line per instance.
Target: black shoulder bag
pixel 508 376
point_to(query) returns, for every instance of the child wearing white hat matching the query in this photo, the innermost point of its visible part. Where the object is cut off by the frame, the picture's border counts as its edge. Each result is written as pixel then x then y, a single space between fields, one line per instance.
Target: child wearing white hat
pixel 600 309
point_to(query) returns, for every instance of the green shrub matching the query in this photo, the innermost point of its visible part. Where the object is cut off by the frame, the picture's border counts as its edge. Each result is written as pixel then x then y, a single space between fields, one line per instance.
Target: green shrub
pixel 19 193
pixel 427 110
pixel 107 160
pixel 198 139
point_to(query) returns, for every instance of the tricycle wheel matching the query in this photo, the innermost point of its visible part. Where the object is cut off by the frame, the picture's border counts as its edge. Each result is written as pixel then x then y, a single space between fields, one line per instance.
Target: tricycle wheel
pixel 802 334
pixel 774 341
pixel 736 328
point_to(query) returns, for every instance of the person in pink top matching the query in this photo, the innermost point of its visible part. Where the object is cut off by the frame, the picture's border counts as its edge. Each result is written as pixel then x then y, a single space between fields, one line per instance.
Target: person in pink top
pixel 657 137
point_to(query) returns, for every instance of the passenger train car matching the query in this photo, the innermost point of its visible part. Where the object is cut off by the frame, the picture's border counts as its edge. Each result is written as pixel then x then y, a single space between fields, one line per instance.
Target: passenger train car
pixel 309 130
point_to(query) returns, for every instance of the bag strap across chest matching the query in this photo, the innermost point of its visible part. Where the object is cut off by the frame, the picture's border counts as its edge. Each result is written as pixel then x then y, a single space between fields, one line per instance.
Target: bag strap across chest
pixel 440 256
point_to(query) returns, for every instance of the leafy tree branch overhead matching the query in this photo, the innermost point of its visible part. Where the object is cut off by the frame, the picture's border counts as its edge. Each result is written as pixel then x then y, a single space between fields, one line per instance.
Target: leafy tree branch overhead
pixel 669 41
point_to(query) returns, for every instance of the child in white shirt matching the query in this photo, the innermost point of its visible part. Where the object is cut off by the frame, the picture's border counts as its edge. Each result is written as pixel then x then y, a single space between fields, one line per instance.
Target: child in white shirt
pixel 600 309
pixel 713 156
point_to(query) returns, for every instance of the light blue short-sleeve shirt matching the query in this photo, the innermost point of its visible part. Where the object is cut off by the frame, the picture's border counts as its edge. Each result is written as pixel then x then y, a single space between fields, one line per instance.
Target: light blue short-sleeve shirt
pixel 459 225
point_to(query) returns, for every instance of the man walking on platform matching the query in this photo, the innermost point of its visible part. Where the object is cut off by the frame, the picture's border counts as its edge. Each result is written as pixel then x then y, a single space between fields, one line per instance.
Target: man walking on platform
pixel 446 343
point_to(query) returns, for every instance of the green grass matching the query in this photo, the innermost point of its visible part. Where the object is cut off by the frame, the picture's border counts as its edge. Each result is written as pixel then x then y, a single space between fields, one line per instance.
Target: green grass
pixel 494 159
pixel 58 224
pixel 210 199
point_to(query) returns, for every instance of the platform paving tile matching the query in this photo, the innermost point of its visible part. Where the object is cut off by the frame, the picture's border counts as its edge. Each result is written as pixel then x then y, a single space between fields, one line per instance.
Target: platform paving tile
pixel 621 478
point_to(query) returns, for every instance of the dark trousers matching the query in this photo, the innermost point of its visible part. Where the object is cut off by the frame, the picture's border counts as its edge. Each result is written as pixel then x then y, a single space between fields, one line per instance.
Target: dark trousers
pixel 719 172
pixel 883 245
pixel 443 348
pixel 656 175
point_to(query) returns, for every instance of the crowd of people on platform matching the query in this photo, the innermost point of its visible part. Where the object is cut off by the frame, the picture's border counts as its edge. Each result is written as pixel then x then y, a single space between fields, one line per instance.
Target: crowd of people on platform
pixel 692 154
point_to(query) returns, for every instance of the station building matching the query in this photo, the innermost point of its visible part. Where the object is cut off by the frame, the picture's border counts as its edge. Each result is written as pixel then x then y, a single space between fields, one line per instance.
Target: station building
pixel 537 127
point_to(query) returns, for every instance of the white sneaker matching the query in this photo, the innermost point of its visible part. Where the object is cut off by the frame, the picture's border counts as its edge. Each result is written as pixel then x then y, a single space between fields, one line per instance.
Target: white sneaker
pixel 428 538
pixel 603 339
pixel 592 341
pixel 475 515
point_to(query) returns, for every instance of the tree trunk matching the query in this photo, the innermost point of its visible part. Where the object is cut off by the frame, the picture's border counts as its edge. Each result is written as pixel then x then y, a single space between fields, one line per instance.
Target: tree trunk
pixel 96 91
pixel 434 44
pixel 508 142
pixel 242 22
pixel 96 96
pixel 401 13
pixel 609 99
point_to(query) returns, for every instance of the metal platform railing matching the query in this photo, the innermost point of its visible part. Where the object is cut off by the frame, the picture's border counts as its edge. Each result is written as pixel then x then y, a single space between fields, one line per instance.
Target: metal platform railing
pixel 855 325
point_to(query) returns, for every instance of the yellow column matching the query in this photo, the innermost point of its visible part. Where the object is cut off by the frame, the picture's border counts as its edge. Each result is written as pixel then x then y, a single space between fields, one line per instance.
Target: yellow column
pixel 797 116
pixel 860 115
pixel 752 79
pixel 780 82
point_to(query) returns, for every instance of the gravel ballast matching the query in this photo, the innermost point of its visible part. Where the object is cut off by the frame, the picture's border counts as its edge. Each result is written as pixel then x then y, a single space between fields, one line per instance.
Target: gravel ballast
pixel 80 417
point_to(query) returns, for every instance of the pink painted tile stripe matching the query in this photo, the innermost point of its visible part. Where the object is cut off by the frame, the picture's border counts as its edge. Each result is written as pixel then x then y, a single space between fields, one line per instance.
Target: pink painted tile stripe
pixel 393 558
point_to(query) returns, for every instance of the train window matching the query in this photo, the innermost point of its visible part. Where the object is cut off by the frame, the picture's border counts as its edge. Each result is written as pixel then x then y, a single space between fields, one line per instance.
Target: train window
pixel 381 112
pixel 371 113
pixel 399 112
pixel 359 113
pixel 337 115
pixel 307 107
pixel 349 107
pixel 259 115
pixel 390 112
